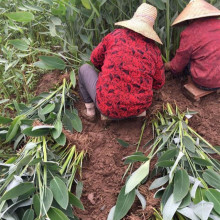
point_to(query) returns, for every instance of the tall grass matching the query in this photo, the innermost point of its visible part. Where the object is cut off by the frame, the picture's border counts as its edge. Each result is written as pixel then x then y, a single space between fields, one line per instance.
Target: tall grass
pixel 71 29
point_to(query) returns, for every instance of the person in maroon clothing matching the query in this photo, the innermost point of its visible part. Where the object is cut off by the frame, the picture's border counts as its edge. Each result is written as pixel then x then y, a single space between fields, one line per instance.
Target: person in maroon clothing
pixel 199 45
pixel 130 66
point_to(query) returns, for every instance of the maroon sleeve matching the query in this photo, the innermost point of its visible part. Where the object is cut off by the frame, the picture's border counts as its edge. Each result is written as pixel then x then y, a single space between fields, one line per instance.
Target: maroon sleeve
pixel 159 76
pixel 182 57
pixel 98 54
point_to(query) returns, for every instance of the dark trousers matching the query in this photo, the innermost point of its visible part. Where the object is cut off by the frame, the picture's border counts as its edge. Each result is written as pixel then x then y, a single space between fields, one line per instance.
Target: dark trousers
pixel 87 83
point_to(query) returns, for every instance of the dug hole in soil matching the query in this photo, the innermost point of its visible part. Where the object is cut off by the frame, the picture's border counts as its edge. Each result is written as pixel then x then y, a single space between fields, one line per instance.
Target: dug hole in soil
pixel 103 166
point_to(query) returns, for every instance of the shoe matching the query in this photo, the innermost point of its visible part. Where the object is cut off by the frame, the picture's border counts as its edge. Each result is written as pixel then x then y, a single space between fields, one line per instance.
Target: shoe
pixel 88 117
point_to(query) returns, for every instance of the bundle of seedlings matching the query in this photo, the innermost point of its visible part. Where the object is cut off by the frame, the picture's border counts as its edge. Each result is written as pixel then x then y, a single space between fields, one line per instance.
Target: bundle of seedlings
pixel 189 181
pixel 46 113
pixel 36 184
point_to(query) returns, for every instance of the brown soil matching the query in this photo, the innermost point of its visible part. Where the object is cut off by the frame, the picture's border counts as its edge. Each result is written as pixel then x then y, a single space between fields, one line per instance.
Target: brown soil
pixel 103 166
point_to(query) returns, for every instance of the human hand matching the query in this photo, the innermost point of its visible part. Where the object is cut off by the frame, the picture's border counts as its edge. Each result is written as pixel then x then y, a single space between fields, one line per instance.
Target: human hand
pixel 167 66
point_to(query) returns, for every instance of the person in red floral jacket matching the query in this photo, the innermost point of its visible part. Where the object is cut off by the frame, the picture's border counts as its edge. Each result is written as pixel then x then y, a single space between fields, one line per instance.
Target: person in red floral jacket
pixel 130 66
pixel 199 50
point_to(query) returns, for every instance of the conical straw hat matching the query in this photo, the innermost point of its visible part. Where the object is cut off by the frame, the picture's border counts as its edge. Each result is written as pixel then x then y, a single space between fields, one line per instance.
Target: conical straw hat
pixel 143 21
pixel 196 9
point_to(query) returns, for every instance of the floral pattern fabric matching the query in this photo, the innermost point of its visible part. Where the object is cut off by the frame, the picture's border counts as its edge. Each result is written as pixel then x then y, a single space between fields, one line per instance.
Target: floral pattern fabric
pixel 130 68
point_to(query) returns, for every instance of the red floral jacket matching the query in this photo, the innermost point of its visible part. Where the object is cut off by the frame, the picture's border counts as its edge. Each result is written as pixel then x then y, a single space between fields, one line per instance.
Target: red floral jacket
pixel 200 46
pixel 130 67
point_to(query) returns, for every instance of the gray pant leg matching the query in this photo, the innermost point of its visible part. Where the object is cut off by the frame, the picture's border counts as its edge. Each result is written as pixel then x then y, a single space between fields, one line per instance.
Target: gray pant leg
pixel 87 83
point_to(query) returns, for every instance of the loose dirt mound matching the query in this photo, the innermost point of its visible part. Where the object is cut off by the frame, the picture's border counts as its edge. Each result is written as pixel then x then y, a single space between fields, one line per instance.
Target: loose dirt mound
pixel 103 167
pixel 50 81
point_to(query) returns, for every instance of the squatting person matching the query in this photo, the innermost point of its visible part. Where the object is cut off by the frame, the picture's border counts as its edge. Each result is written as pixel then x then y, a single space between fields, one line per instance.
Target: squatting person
pixel 130 66
pixel 199 49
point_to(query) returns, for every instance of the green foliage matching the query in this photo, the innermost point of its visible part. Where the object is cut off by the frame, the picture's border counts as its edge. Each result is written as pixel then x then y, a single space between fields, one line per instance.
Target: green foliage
pixel 39 182
pixel 192 177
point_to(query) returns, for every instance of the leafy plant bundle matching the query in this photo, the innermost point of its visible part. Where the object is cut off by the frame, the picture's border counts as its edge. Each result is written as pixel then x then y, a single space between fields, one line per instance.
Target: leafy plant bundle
pixel 189 181
pixel 46 113
pixel 36 184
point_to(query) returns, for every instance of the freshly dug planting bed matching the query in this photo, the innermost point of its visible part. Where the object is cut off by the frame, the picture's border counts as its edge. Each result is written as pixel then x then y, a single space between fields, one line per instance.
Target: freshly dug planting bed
pixel 103 166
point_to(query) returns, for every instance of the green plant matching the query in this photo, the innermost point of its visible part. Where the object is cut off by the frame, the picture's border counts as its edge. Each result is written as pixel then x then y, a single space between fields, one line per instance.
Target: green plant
pixel 51 111
pixel 36 184
pixel 189 172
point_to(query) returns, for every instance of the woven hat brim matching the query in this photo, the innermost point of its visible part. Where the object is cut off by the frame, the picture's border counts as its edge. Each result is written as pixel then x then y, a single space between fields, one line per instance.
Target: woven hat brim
pixel 195 17
pixel 140 27
pixel 197 9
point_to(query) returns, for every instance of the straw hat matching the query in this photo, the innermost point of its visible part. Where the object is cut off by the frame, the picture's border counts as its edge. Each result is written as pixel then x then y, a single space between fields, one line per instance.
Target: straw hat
pixel 143 21
pixel 196 9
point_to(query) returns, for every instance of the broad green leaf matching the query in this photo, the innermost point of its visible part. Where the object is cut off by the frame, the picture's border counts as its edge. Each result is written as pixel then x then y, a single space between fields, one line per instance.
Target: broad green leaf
pixel 42 65
pixel 13 129
pixel 181 185
pixel 35 161
pixel 170 208
pixel 79 189
pixel 212 178
pixel 58 129
pixel 36 204
pixel 188 143
pixel 60 192
pixel 52 165
pixel 26 160
pixel 159 182
pixel 73 78
pixel 124 203
pixel 61 140
pixel 28 215
pixel 57 214
pixel 194 188
pixel 48 108
pixel 203 209
pixel 56 20
pixel 36 133
pixel 213 195
pixel 202 162
pixel 188 212
pixel 47 201
pixel 137 156
pixel 200 194
pixel 122 143
pixel 19 44
pixel 86 4
pixel 186 201
pixel 17 191
pixel 67 123
pixel 4 120
pixel 14 206
pixel 165 163
pixel 167 193
pixel 137 177
pixel 74 119
pixel 75 201
pixel 20 16
pixel 168 155
pixel 53 62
